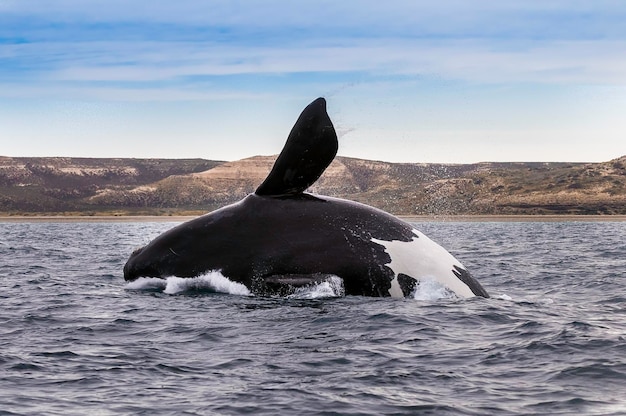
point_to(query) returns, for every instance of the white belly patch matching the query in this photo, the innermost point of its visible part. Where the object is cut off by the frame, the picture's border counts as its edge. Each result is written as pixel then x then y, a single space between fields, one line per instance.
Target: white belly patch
pixel 422 258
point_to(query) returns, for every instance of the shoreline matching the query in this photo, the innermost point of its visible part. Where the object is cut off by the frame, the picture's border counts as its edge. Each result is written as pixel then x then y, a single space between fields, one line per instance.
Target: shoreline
pixel 409 218
pixel 514 218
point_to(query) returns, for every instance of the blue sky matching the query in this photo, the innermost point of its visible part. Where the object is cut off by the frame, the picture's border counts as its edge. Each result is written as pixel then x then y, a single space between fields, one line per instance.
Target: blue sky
pixel 408 81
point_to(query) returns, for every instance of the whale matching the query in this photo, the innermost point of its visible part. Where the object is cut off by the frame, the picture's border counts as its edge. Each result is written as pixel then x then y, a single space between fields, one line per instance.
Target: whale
pixel 282 237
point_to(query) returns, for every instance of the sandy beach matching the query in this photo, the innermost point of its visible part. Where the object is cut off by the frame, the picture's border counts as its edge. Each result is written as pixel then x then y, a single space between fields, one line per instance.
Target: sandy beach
pixel 412 218
pixel 95 218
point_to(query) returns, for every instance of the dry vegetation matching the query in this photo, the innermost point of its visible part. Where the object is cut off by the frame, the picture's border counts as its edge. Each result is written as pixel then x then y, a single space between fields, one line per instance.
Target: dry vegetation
pixel 170 187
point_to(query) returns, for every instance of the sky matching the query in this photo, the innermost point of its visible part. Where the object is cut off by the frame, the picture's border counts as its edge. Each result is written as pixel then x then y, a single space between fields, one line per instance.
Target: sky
pixel 447 81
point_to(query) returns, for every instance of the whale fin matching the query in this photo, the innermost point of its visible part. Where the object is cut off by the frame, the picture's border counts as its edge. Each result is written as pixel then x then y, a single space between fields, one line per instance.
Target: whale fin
pixel 310 148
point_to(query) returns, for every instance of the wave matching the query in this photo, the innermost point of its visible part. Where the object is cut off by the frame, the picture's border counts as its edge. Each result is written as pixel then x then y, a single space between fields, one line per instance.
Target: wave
pixel 214 282
pixel 331 287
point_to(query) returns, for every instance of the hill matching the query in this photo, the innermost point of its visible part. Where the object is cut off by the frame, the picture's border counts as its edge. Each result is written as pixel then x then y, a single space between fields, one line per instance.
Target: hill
pixel 60 184
pixel 174 186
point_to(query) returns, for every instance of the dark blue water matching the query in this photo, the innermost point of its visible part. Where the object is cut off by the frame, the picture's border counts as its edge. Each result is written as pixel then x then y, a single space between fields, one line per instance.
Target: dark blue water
pixel 76 340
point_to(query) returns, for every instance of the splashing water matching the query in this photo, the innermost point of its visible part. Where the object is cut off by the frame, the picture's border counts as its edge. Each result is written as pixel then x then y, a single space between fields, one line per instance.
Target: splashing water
pixel 212 281
pixel 332 287
pixel 215 281
pixel 430 289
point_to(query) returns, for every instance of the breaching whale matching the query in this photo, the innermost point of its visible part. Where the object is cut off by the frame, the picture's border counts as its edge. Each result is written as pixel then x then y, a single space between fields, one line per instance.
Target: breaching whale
pixel 281 237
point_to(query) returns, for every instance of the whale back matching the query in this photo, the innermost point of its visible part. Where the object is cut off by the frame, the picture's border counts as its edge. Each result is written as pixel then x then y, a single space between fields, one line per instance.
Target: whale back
pixel 310 148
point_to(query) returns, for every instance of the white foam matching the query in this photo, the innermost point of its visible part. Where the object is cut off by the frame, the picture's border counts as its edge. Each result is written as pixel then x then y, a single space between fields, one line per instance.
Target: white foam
pixel 429 289
pixel 212 281
pixel 146 283
pixel 332 287
pixel 541 301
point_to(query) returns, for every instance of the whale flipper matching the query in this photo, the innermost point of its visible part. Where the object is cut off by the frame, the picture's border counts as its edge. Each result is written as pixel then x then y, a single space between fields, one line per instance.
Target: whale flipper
pixel 297 280
pixel 287 284
pixel 310 148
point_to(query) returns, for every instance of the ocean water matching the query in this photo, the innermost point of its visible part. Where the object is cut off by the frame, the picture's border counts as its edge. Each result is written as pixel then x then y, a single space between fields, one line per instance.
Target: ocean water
pixel 75 339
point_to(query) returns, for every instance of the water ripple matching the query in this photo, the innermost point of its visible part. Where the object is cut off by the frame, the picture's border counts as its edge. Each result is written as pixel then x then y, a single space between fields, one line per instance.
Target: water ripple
pixel 75 340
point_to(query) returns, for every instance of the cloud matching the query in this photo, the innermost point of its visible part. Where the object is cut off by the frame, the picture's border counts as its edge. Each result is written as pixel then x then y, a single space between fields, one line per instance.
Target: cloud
pixel 470 60
pixel 458 17
pixel 118 41
pixel 507 25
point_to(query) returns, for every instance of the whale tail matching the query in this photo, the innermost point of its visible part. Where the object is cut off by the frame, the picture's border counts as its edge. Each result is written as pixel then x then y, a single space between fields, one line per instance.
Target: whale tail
pixel 310 148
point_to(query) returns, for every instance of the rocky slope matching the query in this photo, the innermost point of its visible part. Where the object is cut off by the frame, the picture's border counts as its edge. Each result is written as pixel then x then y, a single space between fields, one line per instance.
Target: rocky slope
pixel 127 186
pixel 55 184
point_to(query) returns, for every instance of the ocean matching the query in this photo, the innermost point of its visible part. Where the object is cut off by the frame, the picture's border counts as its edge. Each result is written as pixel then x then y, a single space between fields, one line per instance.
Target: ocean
pixel 75 339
